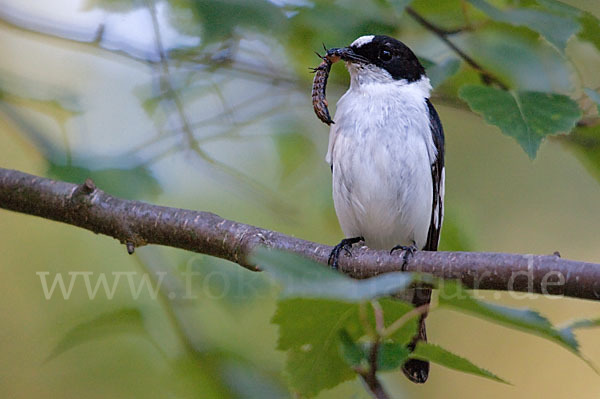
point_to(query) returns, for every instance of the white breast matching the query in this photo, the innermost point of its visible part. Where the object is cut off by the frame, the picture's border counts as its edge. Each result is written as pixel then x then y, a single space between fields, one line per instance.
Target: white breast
pixel 381 150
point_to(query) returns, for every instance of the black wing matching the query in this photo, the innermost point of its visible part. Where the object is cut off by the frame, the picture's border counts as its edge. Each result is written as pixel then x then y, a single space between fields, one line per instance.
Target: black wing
pixel 437 173
pixel 415 369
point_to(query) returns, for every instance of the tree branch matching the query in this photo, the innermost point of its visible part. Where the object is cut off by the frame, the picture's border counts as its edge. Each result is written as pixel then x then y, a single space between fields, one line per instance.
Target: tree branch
pixel 136 223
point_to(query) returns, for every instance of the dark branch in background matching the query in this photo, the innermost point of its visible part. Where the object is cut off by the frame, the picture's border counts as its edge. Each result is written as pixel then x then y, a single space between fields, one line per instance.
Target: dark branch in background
pixel 442 34
pixel 172 95
pixel 369 376
pixel 211 60
pixel 136 223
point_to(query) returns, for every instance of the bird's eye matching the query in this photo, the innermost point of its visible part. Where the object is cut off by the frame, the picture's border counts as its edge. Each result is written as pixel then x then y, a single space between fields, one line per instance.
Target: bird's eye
pixel 385 55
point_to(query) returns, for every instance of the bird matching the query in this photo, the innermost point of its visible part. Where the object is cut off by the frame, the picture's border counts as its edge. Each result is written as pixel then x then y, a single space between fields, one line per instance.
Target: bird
pixel 386 152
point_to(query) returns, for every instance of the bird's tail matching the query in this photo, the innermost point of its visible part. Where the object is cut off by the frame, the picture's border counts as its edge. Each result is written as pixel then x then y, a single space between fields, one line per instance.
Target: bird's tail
pixel 418 370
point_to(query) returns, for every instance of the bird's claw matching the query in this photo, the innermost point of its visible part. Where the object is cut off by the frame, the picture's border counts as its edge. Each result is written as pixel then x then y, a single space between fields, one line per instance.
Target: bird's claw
pixel 345 245
pixel 408 250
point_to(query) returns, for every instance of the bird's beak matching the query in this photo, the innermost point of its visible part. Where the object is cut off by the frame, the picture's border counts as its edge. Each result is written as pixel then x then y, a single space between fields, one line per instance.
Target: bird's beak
pixel 345 54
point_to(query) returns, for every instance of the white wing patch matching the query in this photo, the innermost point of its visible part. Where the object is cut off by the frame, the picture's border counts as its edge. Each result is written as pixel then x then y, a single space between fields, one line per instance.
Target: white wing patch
pixel 362 41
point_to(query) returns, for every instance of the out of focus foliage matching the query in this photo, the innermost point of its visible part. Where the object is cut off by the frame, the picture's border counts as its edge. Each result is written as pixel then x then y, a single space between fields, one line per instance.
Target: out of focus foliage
pixel 521 45
pixel 215 93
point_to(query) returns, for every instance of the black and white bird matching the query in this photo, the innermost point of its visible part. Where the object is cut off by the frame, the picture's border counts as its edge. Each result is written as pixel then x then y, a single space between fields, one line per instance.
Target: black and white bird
pixel 386 151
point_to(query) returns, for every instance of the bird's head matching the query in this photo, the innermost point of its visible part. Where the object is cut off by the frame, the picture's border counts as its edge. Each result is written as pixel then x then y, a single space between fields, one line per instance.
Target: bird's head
pixel 380 59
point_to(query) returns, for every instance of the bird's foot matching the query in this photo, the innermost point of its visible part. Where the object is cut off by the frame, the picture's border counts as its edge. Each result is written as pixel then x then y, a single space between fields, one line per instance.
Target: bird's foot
pixel 345 245
pixel 408 250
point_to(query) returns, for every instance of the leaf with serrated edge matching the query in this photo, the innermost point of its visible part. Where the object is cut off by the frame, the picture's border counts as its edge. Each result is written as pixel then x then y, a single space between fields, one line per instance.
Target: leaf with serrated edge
pixel 309 331
pixel 453 295
pixel 437 354
pixel 526 116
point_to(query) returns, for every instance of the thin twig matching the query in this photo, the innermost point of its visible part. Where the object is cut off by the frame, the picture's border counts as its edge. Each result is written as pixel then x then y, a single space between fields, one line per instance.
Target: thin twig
pixel 369 377
pixel 364 320
pixel 378 314
pixel 373 355
pixel 442 34
pixel 397 324
pixel 256 188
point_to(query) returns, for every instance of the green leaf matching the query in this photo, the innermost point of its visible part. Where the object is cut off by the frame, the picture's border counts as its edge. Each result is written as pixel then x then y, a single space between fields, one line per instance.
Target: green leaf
pixel 520 58
pixel 297 319
pixel 438 73
pixel 394 309
pixel 391 356
pixel 441 356
pixel 594 95
pixel 554 27
pixel 582 323
pixel 568 331
pixel 320 337
pixel 453 295
pixel 353 353
pixel 128 320
pixel 526 116
pixel 304 278
pixel 309 329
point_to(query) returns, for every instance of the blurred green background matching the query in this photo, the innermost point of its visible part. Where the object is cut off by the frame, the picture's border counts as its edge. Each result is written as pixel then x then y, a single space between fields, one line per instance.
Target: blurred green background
pixel 206 105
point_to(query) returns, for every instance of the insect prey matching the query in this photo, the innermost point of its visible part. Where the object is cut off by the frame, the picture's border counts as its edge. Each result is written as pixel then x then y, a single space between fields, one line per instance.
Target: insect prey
pixel 319 99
